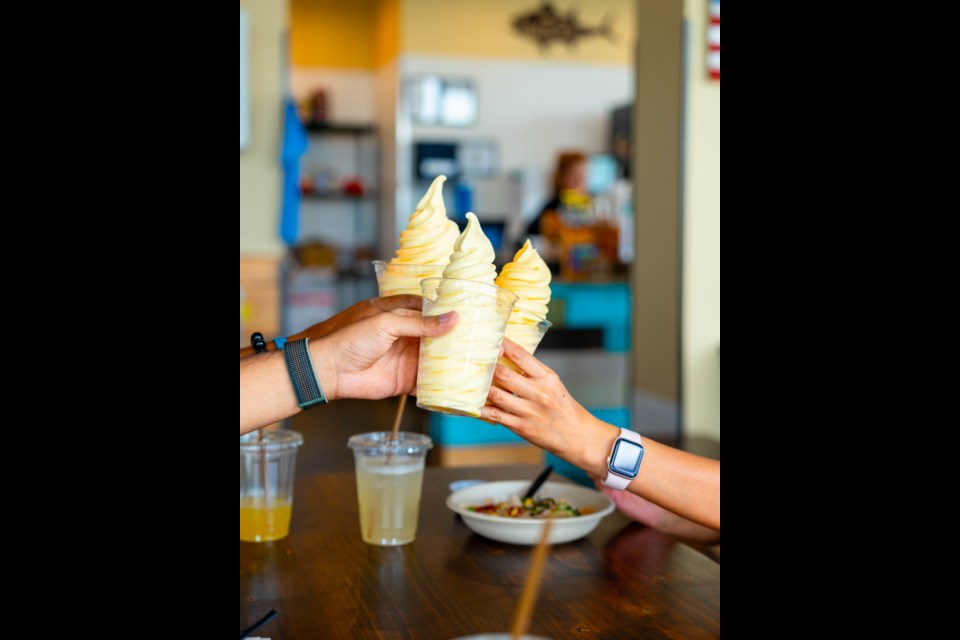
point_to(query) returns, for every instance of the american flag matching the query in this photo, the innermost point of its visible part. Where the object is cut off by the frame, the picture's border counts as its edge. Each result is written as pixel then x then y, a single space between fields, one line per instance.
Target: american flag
pixel 713 57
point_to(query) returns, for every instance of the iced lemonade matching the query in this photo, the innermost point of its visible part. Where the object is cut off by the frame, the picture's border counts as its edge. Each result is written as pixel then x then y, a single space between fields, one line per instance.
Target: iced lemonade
pixel 389 500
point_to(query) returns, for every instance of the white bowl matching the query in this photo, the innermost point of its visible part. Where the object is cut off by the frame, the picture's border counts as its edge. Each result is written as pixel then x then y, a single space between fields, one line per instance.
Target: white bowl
pixel 529 532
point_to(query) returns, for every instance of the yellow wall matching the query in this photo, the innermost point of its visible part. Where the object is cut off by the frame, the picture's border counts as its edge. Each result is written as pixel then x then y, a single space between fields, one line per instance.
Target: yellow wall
pixel 387 31
pixel 702 306
pixel 484 28
pixel 340 34
pixel 366 34
pixel 259 168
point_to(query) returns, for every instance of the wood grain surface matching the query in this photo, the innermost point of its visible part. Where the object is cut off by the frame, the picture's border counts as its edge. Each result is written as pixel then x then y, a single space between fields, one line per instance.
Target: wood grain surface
pixel 624 581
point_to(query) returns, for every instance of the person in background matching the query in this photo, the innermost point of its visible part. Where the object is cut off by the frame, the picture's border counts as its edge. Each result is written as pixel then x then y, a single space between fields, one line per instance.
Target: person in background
pixel 569 181
pixel 537 406
pixel 369 352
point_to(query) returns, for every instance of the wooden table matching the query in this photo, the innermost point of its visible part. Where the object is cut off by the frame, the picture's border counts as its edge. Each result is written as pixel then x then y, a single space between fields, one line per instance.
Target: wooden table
pixel 624 581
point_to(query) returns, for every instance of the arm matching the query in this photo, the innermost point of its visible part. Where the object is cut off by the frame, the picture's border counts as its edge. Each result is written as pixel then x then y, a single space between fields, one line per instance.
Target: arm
pixel 645 512
pixel 538 407
pixel 371 360
pixel 356 313
pixel 266 394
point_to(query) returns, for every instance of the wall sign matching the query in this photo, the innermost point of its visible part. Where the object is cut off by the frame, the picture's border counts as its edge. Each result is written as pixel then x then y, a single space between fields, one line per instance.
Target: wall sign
pixel 713 41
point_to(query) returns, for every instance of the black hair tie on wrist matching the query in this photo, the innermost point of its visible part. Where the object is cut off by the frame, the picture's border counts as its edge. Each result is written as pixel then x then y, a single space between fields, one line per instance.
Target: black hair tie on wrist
pixel 258 343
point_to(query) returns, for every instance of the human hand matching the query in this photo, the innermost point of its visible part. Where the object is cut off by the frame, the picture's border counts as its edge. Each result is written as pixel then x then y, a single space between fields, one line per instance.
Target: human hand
pixel 358 313
pixel 379 357
pixel 538 407
pixel 647 513
pixel 633 506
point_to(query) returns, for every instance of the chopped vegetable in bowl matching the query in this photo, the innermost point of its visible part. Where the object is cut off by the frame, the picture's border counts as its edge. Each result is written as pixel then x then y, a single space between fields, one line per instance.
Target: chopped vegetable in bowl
pixel 541 509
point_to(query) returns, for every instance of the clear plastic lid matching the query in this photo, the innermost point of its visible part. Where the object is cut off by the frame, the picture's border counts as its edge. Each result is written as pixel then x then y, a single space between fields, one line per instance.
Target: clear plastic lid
pixel 272 441
pixel 382 444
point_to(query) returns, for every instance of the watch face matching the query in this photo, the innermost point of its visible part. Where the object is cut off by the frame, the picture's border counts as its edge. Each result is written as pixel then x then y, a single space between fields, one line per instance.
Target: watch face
pixel 626 459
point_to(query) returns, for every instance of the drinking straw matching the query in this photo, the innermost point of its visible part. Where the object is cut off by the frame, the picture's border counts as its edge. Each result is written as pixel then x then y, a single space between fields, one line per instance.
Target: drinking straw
pixel 399 419
pixel 263 471
pixel 521 622
pixel 267 618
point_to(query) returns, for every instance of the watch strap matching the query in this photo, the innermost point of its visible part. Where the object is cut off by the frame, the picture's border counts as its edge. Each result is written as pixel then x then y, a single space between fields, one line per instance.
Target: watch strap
pixel 613 480
pixel 303 375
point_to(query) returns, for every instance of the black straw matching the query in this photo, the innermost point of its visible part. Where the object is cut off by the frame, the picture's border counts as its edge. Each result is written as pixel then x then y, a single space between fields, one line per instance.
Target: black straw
pixel 538 483
pixel 267 618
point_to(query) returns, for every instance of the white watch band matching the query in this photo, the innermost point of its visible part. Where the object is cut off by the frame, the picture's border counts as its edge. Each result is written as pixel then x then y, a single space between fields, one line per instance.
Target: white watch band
pixel 614 481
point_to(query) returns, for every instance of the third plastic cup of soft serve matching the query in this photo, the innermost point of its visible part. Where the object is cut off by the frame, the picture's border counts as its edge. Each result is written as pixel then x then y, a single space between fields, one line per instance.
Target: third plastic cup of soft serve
pixel 527 330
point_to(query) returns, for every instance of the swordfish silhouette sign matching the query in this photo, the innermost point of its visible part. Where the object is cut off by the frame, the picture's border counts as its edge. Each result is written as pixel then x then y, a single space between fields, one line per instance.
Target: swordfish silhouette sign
pixel 547 25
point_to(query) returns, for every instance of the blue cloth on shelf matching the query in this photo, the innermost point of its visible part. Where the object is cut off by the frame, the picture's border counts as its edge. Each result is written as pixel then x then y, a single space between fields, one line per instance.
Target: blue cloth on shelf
pixel 294 146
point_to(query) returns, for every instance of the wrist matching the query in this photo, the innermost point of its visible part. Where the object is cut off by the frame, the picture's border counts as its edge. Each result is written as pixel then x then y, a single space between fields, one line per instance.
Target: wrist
pixel 599 445
pixel 324 368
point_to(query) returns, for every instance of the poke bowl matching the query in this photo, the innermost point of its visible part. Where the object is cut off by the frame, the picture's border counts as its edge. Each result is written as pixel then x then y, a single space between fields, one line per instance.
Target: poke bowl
pixel 495 511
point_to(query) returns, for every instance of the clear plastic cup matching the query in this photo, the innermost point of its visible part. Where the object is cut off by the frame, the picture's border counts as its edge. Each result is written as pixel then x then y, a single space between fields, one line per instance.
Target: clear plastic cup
pixel 456 370
pixel 389 485
pixel 266 484
pixel 404 279
pixel 527 330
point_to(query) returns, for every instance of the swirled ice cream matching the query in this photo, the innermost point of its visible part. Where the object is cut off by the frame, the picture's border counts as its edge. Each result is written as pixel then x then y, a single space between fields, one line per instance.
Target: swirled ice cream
pixel 456 370
pixel 473 255
pixel 529 277
pixel 425 246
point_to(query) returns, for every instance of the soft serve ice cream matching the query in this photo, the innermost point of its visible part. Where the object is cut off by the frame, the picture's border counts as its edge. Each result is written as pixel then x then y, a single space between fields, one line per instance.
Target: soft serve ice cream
pixel 529 277
pixel 473 256
pixel 456 370
pixel 425 246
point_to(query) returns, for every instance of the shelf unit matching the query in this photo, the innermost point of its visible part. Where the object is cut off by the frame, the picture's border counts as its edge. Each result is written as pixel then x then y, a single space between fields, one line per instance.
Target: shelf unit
pixel 350 223
pixel 337 152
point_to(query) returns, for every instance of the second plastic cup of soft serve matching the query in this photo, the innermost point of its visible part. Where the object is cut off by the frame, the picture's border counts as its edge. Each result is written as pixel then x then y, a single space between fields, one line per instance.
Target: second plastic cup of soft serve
pixel 456 370
pixel 404 279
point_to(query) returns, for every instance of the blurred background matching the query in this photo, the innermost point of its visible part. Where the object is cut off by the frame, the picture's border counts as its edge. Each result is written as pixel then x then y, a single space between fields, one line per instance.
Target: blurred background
pixel 350 108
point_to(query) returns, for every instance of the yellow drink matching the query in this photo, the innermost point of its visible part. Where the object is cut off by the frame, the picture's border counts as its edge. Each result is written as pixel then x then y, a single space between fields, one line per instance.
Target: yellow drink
pixel 263 522
pixel 389 499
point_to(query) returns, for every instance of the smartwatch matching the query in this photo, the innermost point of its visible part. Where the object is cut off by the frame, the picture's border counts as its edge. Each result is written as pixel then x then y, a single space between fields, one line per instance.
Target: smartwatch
pixel 624 464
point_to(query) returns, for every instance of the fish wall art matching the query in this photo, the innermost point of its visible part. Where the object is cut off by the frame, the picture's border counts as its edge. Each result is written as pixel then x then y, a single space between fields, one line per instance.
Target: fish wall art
pixel 547 25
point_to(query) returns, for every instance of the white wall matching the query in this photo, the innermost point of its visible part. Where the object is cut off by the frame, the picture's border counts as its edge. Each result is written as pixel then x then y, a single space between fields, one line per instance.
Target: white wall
pixel 534 109
pixel 259 164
